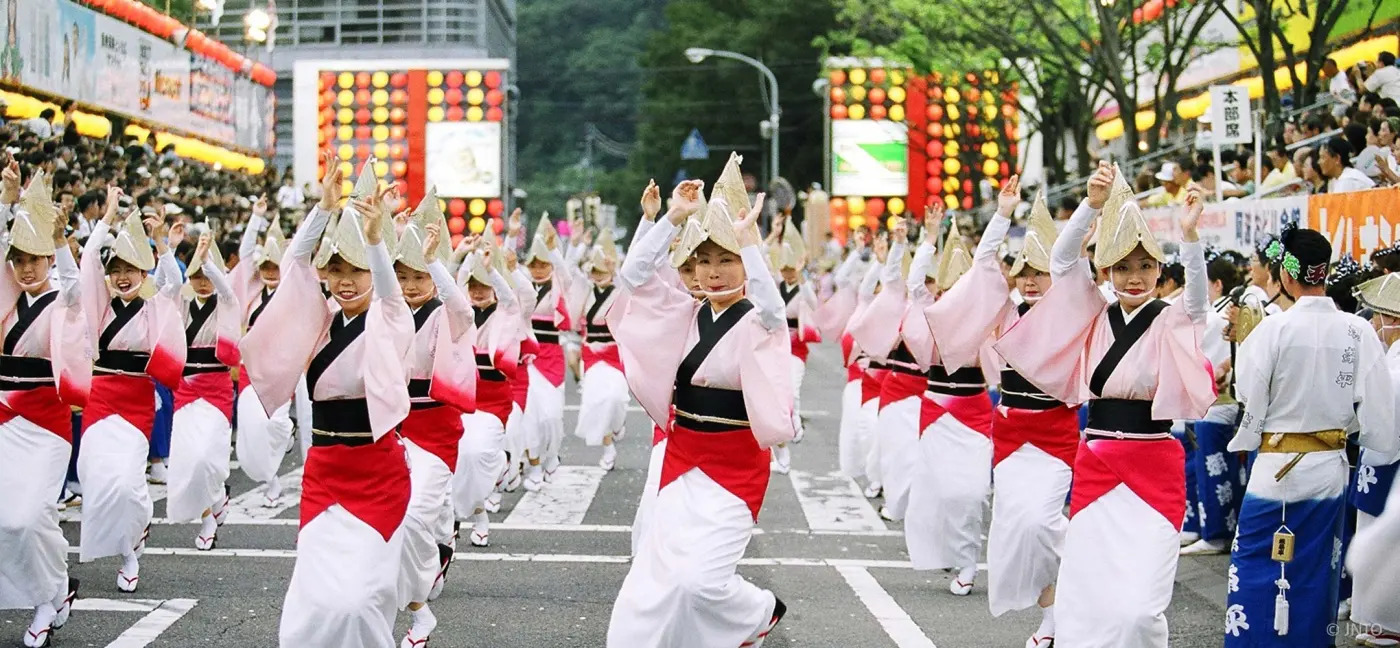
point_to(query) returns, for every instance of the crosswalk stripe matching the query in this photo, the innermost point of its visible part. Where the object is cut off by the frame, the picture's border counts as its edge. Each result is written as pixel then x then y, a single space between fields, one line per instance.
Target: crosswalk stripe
pixel 893 619
pixel 153 624
pixel 562 500
pixel 116 605
pixel 833 502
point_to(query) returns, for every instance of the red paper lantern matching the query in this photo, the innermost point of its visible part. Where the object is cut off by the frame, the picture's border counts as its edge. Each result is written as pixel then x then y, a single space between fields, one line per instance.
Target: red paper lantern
pixel 362 152
pixel 1152 10
pixel 362 132
pixel 362 115
pixel 398 115
pixel 935 112
pixel 838 111
pixel 1137 16
pixel 397 132
pixel 973 130
pixel 934 185
pixel 972 95
pixel 874 207
pixel 457 207
pixel 967 186
pixel 876 95
pixel 399 168
pixel 877 112
pixel 492 79
pixel 934 167
pixel 453 96
pixel 497 225
pixel 971 111
pixel 362 97
pixel 454 79
pixel 456 239
pixel 327 78
pixel 934 149
pixel 935 129
pixel 396 151
pixel 398 97
pixel 495 207
pixel 877 76
pixel 494 114
pixel 838 95
pixel 967 202
pixel 936 93
pixel 454 113
pixel 494 97
pixel 456 225
pixel 837 78
pixel 398 79
pixel 362 79
pixel 1005 169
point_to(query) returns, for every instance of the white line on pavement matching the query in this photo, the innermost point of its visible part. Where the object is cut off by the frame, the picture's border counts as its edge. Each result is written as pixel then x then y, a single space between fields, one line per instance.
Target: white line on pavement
pixel 894 620
pixel 152 625
pixel 116 605
pixel 833 502
pixel 562 500
pixel 567 528
pixel 249 505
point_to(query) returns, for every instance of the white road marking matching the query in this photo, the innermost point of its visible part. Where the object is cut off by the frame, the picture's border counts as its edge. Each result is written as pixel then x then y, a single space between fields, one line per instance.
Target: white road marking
pixel 157 491
pixel 153 624
pixel 569 528
pixel 833 502
pixel 636 409
pixel 894 620
pixel 116 605
pixel 249 506
pixel 563 500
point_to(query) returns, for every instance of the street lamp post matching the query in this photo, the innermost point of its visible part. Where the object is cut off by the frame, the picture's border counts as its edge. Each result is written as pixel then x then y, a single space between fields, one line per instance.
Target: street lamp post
pixel 698 54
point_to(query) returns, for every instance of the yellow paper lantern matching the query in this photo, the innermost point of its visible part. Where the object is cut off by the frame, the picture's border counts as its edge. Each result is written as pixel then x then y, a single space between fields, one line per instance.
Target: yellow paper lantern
pixel 952 166
pixel 475 96
pixel 442 205
pixel 897 113
pixel 346 151
pixel 381 150
pixel 477 206
pixel 345 97
pixel 435 96
pixel 891 222
pixel 434 78
pixel 953 112
pixel 950 185
pixel 473 78
pixel 381 168
pixel 990 167
pixel 858 93
pixel 857 76
pixel 345 80
pixel 896 205
pixel 951 149
pixel 856 112
pixel 380 97
pixel 951 96
pixel 476 224
pixel 950 201
pixel 347 169
pixel 380 134
pixel 474 114
pixel 896 94
pixel 856 221
pixel 345 116
pixel 380 115
pixel 856 205
pixel 380 79
pixel 896 77
pixel 435 114
pixel 347 187
pixel 991 150
pixel 345 133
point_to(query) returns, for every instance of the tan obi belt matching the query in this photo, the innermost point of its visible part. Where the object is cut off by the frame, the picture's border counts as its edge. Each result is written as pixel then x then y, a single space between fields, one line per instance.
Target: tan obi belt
pixel 1224 399
pixel 1303 443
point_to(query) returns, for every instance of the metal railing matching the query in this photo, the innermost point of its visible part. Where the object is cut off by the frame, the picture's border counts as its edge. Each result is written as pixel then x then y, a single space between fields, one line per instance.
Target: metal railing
pixel 1320 137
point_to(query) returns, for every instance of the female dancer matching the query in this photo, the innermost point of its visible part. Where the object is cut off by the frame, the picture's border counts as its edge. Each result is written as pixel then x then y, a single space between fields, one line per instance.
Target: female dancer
pixel 718 360
pixel 602 413
pixel 790 255
pixel 1034 437
pixel 442 387
pixel 42 370
pixel 137 338
pixel 544 411
pixel 262 438
pixel 356 485
pixel 481 456
pixel 202 430
pixel 1138 364
pixel 832 317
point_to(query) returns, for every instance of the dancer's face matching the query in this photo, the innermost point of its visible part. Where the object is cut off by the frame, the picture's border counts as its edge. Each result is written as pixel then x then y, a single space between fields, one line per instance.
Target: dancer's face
pixel 270 274
pixel 125 278
pixel 1135 277
pixel 482 295
pixel 31 271
pixel 417 286
pixel 349 285
pixel 719 272
pixel 1032 283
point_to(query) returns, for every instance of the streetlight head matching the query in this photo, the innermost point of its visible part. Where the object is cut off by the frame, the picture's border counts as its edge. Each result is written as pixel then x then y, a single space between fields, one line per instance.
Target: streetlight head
pixel 820 86
pixel 698 54
pixel 257 19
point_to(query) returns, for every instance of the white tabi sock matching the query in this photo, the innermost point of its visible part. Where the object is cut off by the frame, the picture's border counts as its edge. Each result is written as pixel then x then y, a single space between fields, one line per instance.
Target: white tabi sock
pixel 1047 622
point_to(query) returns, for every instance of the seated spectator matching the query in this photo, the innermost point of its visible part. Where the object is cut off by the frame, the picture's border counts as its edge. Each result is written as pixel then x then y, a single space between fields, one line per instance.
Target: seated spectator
pixel 1311 127
pixel 1334 164
pixel 1385 80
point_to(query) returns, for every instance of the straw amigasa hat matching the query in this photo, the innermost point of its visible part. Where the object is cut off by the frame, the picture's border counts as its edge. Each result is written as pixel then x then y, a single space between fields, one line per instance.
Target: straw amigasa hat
pixel 790 251
pixel 1381 294
pixel 480 272
pixel 196 231
pixel 410 246
pixel 955 260
pixel 727 198
pixel 347 240
pixel 275 244
pixel 539 247
pixel 1122 227
pixel 132 245
pixel 603 257
pixel 1040 239
pixel 33 226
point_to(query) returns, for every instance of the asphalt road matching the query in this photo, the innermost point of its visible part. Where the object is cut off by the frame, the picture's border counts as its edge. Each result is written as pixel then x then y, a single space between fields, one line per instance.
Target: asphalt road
pixel 557 559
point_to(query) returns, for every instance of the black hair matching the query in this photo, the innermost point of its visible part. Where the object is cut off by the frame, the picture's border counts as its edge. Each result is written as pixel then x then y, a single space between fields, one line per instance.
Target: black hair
pixel 1172 270
pixel 1313 123
pixel 1386 58
pixel 47 114
pixel 1338 146
pixel 1370 98
pixel 1312 253
pixel 1355 134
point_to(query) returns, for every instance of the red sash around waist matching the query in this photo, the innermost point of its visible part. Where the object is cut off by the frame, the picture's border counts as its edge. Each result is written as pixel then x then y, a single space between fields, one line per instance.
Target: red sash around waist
pixel 607 353
pixel 369 481
pixel 549 361
pixel 437 430
pixel 1151 469
pixel 1056 431
pixel 871 382
pixel 42 407
pixel 131 397
pixel 495 397
pixel 973 411
pixel 732 459
pixel 799 347
pixel 519 387
pixel 898 386
pixel 215 388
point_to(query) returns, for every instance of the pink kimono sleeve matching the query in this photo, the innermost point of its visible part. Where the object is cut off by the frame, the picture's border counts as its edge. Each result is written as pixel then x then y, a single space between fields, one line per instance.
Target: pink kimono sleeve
pixel 1185 384
pixel 92 283
pixel 166 324
pixel 651 329
pixel 70 352
pixel 832 316
pixel 1047 346
pixel 276 357
pixel 388 337
pixel 876 329
pixel 966 316
pixel 914 330
pixel 766 382
pixel 454 366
